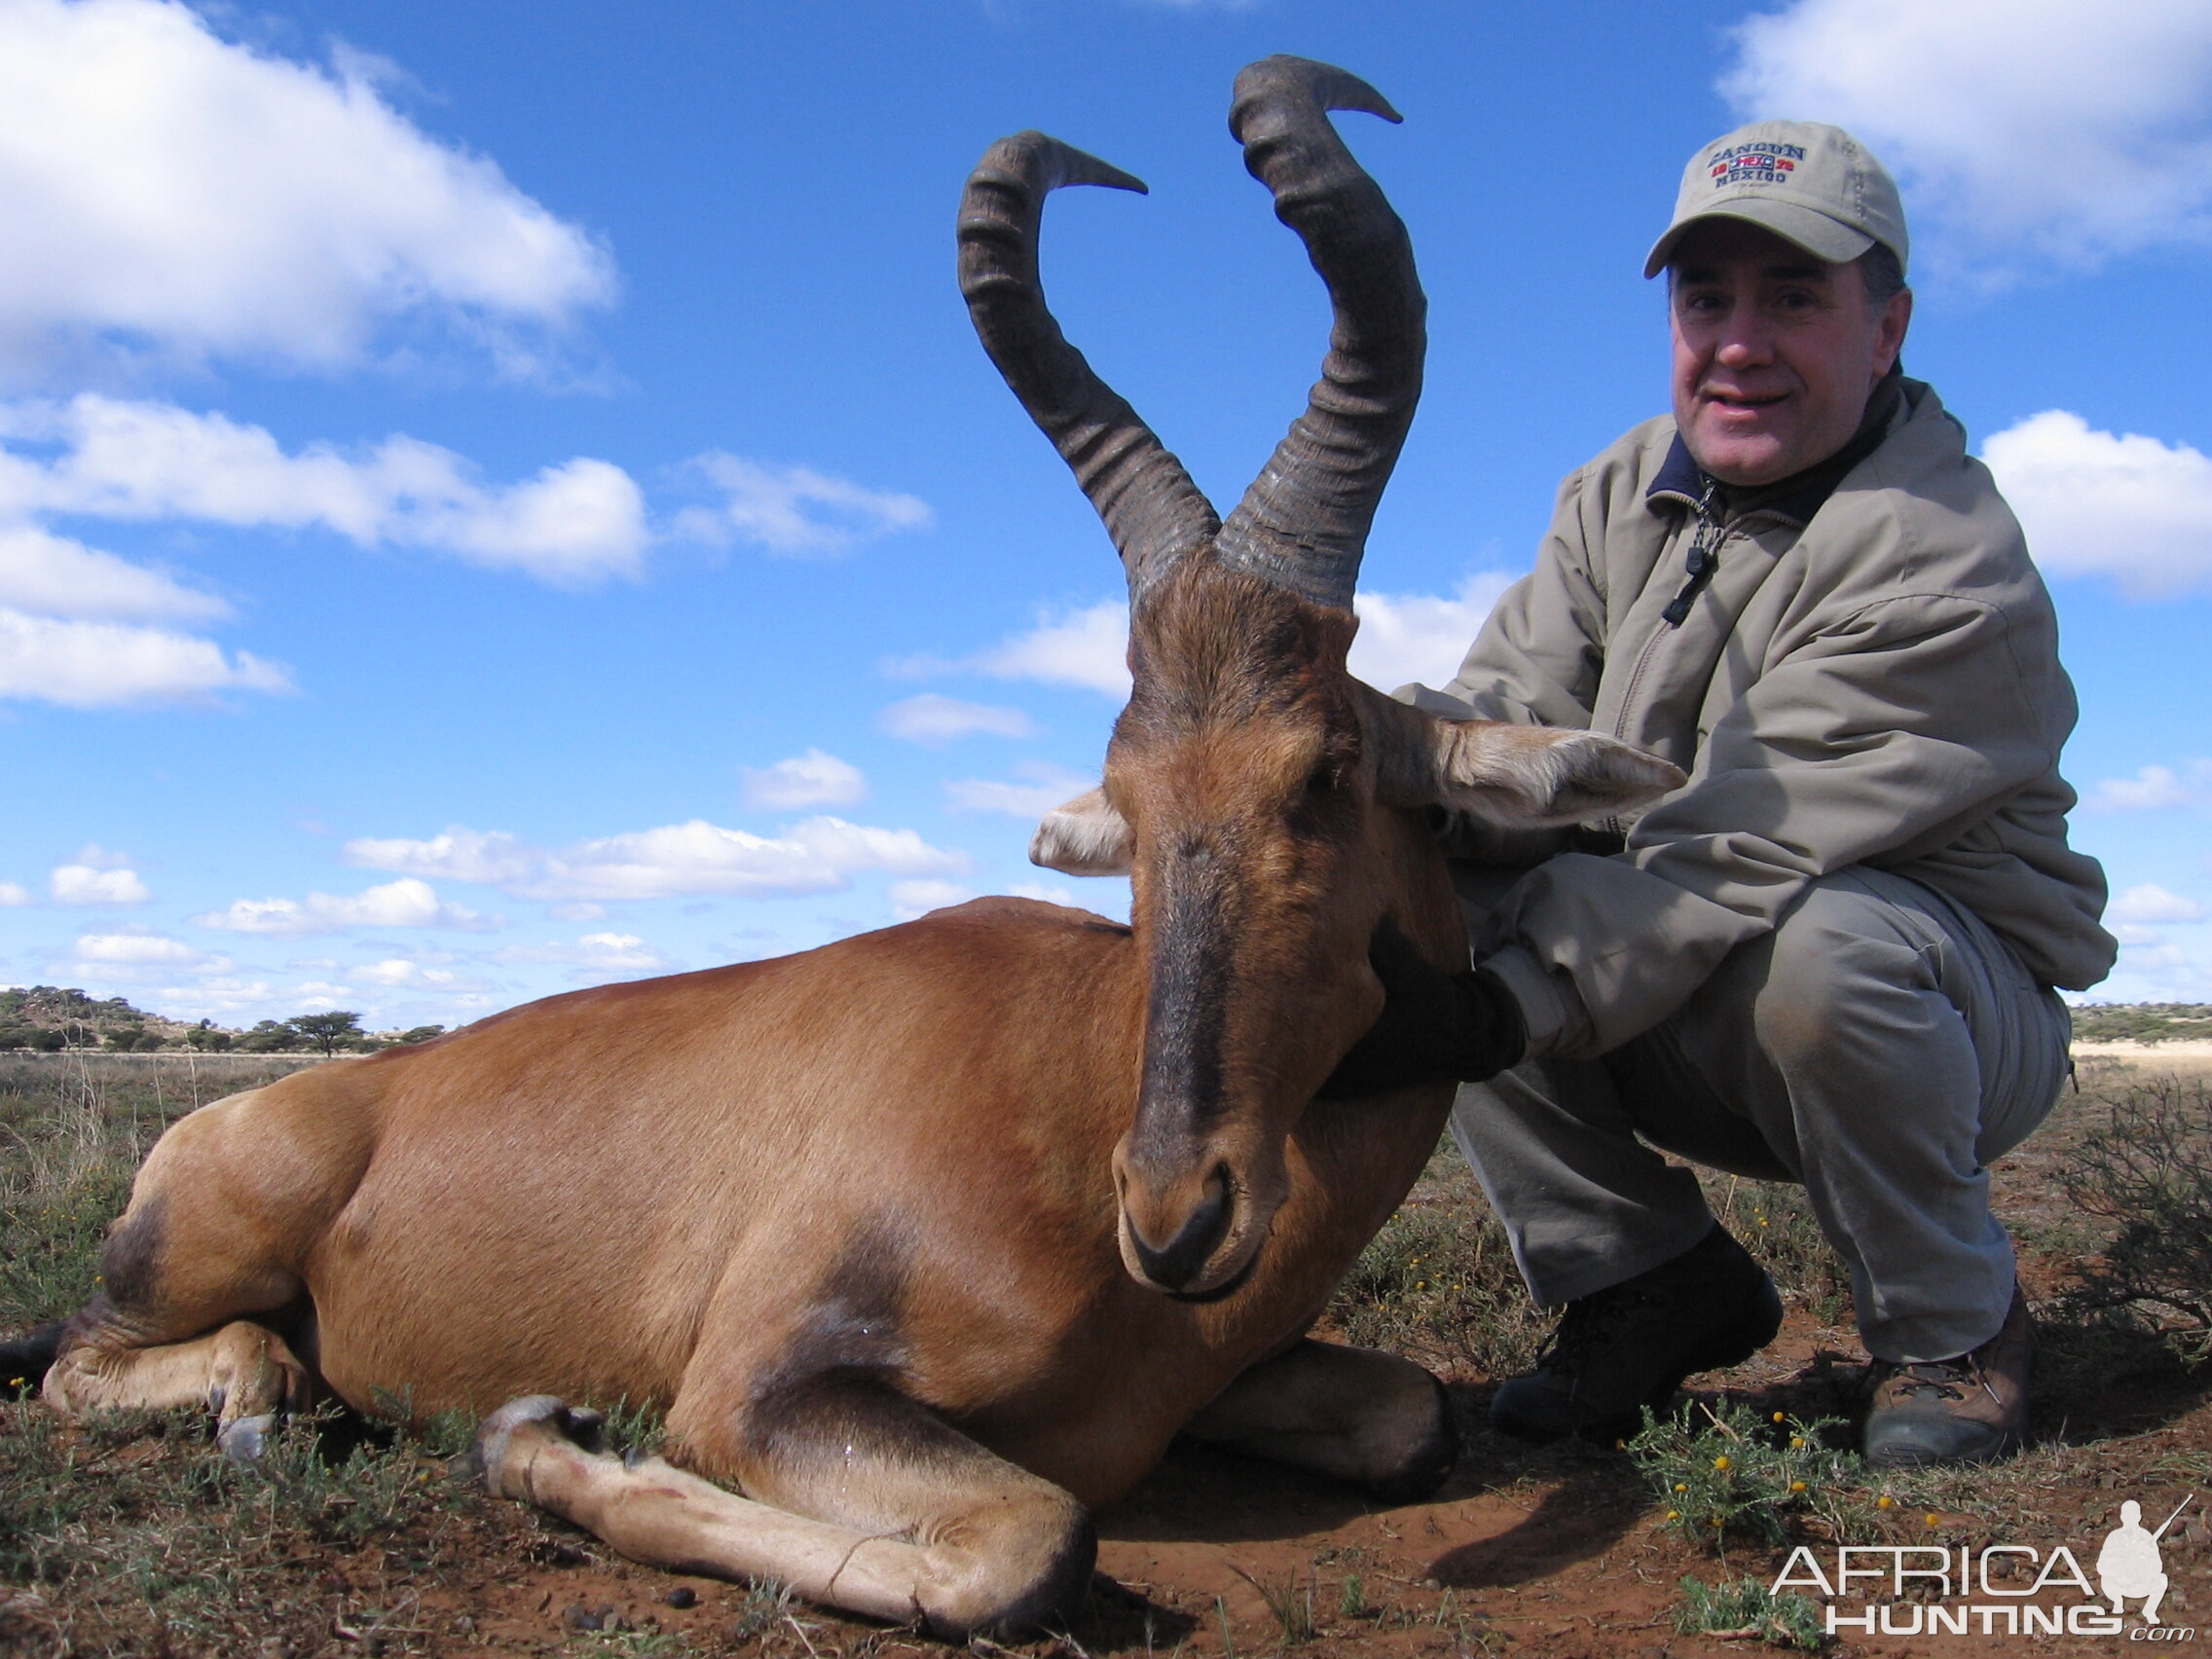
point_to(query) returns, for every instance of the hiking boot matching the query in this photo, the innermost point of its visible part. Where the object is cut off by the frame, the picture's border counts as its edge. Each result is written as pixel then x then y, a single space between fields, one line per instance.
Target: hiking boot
pixel 1970 1410
pixel 1629 1345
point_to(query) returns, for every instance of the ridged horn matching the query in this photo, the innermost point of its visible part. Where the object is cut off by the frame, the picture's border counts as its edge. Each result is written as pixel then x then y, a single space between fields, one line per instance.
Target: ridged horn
pixel 1303 522
pixel 1151 510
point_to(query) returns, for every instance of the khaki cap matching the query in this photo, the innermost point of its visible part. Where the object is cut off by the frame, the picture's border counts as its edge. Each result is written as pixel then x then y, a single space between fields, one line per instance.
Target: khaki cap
pixel 1812 185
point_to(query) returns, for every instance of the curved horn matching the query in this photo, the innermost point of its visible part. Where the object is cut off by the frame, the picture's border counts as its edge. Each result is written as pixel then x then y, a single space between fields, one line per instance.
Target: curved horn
pixel 1303 524
pixel 1151 510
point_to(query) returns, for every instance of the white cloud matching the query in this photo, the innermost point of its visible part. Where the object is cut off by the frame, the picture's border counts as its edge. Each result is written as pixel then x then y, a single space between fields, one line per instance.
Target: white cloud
pixel 911 898
pixel 52 575
pixel 817 855
pixel 2061 131
pixel 933 720
pixel 811 779
pixel 1417 635
pixel 172 194
pixel 601 952
pixel 405 903
pixel 2096 503
pixel 1049 892
pixel 1048 785
pixel 2154 789
pixel 102 665
pixel 400 972
pixel 12 893
pixel 2153 904
pixel 96 876
pixel 575 523
pixel 136 950
pixel 1084 646
pixel 795 510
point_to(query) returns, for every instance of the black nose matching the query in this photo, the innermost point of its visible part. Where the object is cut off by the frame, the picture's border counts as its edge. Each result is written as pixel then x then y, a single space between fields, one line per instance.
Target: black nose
pixel 1176 1266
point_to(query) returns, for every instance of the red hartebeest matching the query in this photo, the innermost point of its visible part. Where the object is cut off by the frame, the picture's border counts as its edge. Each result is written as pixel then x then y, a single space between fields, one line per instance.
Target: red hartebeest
pixel 928 1240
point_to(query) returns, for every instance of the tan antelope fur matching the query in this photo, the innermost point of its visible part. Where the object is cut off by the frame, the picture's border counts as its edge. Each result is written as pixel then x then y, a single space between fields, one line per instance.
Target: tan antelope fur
pixel 927 1241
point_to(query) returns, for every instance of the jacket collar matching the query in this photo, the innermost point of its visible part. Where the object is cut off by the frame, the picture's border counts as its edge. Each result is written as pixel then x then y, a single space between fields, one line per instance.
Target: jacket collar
pixel 1681 481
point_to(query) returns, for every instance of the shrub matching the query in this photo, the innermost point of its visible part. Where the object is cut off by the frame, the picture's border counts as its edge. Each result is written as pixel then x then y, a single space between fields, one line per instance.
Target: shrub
pixel 1734 1476
pixel 2149 1168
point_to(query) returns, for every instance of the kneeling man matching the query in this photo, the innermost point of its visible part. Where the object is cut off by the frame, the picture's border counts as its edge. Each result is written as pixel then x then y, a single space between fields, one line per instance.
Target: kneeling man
pixel 1829 958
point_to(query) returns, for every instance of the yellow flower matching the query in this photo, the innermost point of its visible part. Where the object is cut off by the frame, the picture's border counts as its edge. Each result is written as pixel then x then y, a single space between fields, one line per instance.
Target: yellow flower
pixel 1721 1462
pixel 1681 1487
pixel 1674 1514
pixel 1777 1417
pixel 1796 1440
pixel 1884 1501
pixel 1934 1520
pixel 1796 1485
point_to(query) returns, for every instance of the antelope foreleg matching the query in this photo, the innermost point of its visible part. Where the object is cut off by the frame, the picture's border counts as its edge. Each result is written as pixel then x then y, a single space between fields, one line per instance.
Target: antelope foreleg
pixel 242 1373
pixel 1372 1418
pixel 969 1546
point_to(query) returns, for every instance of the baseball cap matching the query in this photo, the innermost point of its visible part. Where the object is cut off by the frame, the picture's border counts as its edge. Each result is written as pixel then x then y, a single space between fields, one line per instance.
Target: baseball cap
pixel 1812 185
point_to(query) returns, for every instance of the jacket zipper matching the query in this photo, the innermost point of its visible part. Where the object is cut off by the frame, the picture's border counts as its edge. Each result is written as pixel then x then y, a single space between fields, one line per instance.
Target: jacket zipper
pixel 1704 560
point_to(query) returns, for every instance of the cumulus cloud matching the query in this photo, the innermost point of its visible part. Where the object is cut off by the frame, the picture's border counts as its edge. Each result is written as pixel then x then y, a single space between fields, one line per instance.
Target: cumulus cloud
pixel 1406 636
pixel 2100 503
pixel 934 719
pixel 911 898
pixel 52 575
pixel 118 458
pixel 2023 131
pixel 2151 904
pixel 1045 786
pixel 170 194
pixel 404 904
pixel 13 893
pixel 599 952
pixel 793 510
pixel 811 779
pixel 401 972
pixel 105 665
pixel 817 855
pixel 2154 789
pixel 136 950
pixel 1083 645
pixel 96 876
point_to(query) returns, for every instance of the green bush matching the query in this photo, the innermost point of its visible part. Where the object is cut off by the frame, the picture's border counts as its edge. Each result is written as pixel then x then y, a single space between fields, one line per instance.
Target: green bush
pixel 1736 1477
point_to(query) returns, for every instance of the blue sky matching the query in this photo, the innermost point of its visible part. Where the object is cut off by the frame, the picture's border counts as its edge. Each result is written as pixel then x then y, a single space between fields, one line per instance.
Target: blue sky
pixel 499 498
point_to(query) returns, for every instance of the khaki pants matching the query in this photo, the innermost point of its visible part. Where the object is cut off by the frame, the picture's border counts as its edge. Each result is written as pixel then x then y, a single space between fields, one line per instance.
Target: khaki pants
pixel 1880 1046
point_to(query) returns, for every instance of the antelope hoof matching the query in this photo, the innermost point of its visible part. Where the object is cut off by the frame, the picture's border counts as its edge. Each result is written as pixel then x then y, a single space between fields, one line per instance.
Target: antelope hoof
pixel 246 1440
pixel 521 1425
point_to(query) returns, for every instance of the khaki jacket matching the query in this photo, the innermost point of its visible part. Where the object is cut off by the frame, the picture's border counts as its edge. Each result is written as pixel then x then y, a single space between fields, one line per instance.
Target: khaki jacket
pixel 1880 686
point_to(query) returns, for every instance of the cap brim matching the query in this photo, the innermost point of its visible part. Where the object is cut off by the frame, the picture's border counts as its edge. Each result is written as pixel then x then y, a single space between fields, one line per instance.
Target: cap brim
pixel 1814 232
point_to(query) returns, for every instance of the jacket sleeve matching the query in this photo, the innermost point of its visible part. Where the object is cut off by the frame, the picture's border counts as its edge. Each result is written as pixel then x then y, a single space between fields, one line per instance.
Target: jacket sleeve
pixel 1875 740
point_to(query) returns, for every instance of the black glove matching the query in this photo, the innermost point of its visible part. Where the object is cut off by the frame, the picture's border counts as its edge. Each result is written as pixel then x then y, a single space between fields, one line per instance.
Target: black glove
pixel 1435 1026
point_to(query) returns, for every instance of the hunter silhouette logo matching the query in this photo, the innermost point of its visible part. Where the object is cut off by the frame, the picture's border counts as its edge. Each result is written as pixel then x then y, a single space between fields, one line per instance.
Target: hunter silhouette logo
pixel 2129 1565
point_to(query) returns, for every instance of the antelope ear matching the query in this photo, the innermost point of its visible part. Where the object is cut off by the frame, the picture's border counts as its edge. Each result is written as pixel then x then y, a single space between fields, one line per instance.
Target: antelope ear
pixel 1083 837
pixel 1536 777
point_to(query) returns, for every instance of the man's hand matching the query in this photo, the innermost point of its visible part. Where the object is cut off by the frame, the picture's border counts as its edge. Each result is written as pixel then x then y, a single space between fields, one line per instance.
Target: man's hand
pixel 1435 1026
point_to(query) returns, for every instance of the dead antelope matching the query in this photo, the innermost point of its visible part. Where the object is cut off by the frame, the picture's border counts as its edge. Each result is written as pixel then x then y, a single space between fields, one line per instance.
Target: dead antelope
pixel 930 1241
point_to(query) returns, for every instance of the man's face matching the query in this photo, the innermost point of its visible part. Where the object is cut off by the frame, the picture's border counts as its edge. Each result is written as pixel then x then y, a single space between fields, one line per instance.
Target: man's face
pixel 1775 351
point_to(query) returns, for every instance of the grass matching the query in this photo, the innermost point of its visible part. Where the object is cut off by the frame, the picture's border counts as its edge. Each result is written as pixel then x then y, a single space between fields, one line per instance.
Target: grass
pixel 1747 1610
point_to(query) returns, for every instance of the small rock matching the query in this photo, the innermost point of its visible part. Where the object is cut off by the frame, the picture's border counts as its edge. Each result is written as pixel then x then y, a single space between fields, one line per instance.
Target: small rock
pixel 578 1616
pixel 682 1595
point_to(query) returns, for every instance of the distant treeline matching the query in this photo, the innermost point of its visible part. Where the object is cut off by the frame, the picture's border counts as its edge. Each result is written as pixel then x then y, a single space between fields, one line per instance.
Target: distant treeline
pixel 2142 1022
pixel 52 1017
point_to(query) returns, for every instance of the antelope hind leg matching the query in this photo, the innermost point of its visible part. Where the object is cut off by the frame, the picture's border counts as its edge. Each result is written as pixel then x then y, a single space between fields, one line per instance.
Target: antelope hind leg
pixel 243 1373
pixel 862 1501
pixel 1372 1418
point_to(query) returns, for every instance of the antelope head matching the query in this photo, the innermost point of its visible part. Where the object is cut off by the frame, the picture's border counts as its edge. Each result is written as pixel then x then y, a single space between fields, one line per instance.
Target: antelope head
pixel 1259 798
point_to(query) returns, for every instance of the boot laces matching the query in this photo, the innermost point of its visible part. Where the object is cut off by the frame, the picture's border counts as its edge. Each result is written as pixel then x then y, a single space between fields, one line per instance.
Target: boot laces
pixel 1948 1379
